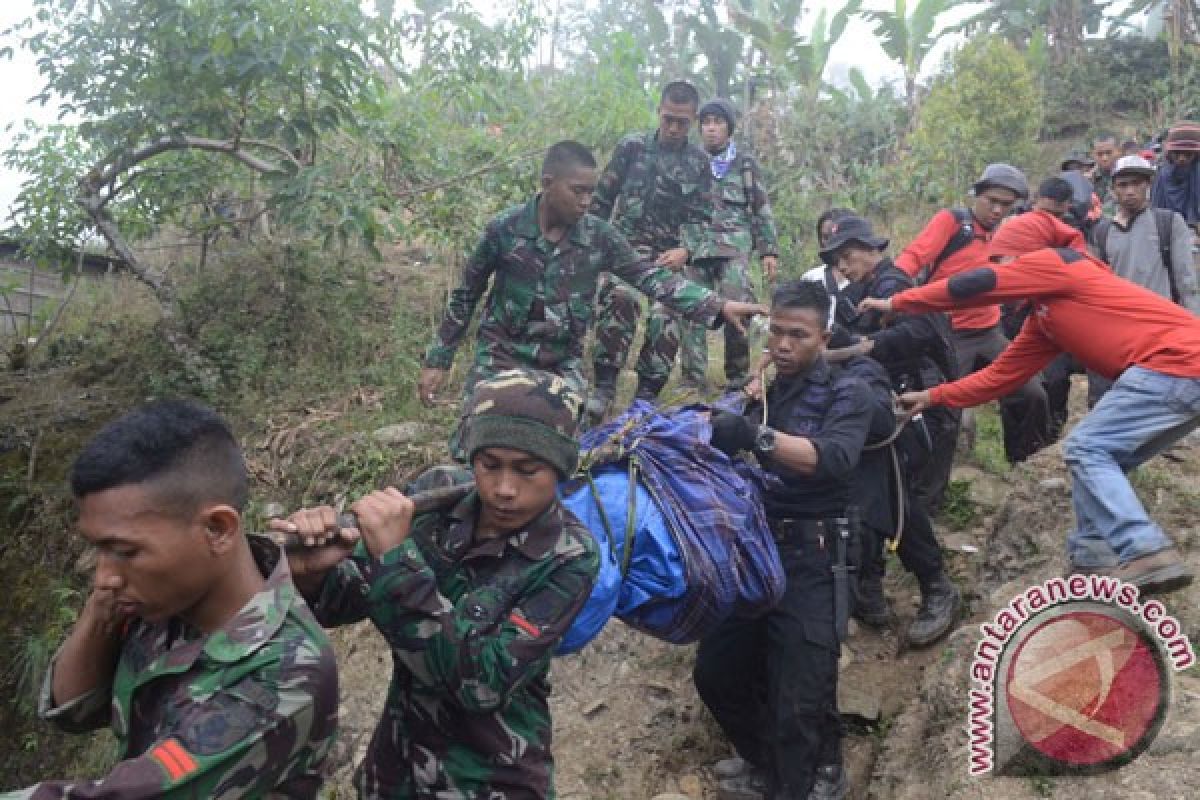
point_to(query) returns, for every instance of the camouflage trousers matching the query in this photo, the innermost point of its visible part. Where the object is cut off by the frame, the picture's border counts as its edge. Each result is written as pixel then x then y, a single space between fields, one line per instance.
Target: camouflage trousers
pixel 618 308
pixel 730 279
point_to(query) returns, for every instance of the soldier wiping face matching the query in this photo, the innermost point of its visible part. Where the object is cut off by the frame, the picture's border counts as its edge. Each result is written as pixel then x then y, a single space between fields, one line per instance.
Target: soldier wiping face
pixel 798 332
pixel 166 523
pixel 519 436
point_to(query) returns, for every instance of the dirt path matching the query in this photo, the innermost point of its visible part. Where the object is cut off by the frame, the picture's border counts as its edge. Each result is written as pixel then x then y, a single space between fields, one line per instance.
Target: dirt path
pixel 628 723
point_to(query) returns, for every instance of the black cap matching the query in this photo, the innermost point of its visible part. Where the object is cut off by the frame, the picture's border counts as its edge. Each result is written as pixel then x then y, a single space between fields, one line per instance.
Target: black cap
pixel 847 229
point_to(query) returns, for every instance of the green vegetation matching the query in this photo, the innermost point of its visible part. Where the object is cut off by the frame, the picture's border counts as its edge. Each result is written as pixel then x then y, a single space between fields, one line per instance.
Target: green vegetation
pixel 958 509
pixel 988 454
pixel 295 183
pixel 986 108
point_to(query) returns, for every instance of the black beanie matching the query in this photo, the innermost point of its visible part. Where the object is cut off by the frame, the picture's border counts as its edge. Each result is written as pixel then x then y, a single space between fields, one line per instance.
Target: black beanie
pixel 722 108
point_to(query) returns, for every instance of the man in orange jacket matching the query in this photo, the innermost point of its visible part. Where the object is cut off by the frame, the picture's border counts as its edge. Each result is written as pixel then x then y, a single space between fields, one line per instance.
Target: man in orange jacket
pixel 955 240
pixel 1148 344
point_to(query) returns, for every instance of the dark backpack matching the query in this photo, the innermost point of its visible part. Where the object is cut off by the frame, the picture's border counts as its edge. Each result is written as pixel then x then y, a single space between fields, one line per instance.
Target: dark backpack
pixel 961 238
pixel 1164 218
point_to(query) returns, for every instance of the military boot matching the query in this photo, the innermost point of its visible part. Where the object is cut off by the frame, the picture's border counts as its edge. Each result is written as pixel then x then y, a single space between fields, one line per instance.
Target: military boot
pixel 731 767
pixel 941 603
pixel 749 785
pixel 648 390
pixel 870 603
pixel 831 783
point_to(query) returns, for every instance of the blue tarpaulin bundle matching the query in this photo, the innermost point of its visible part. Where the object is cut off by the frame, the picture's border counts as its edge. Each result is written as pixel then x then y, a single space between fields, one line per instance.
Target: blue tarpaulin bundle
pixel 683 537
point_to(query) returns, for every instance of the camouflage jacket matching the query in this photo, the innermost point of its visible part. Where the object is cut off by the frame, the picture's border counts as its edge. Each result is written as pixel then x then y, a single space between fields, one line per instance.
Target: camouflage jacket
pixel 665 195
pixel 249 710
pixel 1102 186
pixel 741 221
pixel 472 625
pixel 542 297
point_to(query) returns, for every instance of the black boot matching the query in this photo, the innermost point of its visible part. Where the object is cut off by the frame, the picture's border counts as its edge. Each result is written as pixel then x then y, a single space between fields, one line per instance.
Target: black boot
pixel 831 783
pixel 941 603
pixel 647 390
pixel 870 604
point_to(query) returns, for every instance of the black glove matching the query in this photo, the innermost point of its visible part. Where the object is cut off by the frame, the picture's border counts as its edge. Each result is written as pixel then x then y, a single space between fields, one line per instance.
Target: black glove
pixel 732 433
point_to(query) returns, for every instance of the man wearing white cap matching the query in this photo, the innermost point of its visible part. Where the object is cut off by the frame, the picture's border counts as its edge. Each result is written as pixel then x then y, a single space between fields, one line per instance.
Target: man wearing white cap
pixel 1150 246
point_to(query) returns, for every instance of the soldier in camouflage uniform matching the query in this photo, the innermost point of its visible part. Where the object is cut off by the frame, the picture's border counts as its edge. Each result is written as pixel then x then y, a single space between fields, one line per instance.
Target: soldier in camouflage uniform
pixel 657 188
pixel 742 223
pixel 1104 152
pixel 473 598
pixel 544 260
pixel 194 644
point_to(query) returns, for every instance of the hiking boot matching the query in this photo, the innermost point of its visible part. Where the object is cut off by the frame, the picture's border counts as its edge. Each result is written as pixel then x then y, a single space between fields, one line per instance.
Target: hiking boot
pixel 1159 572
pixel 737 384
pixel 648 391
pixel 941 603
pixel 831 783
pixel 1083 569
pixel 691 391
pixel 731 767
pixel 870 604
pixel 750 785
pixel 599 401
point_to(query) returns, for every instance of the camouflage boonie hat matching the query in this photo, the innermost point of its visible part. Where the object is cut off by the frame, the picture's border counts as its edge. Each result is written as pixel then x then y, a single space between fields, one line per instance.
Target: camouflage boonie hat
pixel 525 410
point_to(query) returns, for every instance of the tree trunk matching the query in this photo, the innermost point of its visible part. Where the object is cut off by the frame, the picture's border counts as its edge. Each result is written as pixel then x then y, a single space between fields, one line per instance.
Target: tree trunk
pixel 94 201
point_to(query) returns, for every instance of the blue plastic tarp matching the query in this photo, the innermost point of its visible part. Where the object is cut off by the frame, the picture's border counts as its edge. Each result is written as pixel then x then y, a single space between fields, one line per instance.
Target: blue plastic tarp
pixel 701 547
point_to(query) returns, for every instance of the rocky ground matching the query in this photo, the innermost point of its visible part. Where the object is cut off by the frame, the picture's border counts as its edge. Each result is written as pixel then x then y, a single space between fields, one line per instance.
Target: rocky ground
pixel 628 723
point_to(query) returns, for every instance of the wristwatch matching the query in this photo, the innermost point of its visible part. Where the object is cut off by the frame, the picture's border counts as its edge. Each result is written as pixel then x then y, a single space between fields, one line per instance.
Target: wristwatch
pixel 764 441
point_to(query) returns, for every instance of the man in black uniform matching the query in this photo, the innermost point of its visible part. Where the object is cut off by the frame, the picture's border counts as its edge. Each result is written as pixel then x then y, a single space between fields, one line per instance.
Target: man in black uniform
pixel 916 351
pixel 771 682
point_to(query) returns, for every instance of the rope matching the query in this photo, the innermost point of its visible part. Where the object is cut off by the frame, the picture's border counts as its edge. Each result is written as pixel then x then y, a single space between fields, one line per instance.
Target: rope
pixel 630 512
pixel 901 511
pixel 612 547
pixel 762 387
pixel 882 443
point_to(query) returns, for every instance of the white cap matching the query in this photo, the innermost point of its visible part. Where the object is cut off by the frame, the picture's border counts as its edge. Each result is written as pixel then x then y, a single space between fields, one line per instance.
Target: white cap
pixel 1133 165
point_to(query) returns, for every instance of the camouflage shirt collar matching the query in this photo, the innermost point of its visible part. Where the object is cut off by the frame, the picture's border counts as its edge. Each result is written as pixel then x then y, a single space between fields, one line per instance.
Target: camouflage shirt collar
pixel 527 224
pixel 535 541
pixel 260 619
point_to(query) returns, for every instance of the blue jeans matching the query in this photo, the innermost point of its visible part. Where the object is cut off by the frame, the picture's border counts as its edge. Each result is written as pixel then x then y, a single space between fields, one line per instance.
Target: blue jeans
pixel 1143 414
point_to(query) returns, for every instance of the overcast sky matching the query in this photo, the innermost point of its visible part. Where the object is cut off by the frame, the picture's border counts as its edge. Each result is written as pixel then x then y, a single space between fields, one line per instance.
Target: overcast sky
pixel 21 80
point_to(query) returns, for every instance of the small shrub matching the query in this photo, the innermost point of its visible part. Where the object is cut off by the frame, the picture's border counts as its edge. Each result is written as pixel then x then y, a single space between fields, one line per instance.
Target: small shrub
pixel 958 509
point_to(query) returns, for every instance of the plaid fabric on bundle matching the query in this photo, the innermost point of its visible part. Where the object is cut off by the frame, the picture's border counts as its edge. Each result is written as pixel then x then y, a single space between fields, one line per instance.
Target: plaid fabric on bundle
pixel 715 516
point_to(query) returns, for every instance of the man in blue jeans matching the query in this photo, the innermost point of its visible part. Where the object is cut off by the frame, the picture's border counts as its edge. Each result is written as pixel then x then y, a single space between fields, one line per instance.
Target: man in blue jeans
pixel 1147 344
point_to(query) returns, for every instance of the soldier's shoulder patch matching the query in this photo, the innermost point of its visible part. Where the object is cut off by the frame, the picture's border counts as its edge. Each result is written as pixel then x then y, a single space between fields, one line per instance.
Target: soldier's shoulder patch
pixel 174 759
pixel 228 718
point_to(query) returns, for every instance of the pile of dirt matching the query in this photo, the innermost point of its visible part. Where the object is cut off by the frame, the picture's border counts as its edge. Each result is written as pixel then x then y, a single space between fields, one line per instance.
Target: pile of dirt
pixel 926 751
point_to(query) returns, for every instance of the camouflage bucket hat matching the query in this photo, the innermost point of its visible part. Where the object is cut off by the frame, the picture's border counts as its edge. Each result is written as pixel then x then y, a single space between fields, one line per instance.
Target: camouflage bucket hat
pixel 525 410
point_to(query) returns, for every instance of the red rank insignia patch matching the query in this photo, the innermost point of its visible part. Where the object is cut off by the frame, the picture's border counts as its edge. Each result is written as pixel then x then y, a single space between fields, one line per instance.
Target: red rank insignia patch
pixel 174 759
pixel 524 624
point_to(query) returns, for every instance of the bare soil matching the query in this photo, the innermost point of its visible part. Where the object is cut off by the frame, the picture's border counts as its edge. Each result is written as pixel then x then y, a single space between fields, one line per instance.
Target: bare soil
pixel 628 722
